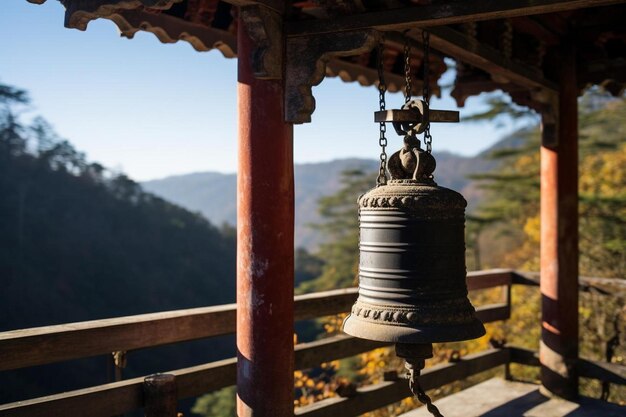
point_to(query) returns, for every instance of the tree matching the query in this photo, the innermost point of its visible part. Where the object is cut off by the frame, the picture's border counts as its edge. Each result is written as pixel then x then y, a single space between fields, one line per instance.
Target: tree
pixel 220 403
pixel 341 228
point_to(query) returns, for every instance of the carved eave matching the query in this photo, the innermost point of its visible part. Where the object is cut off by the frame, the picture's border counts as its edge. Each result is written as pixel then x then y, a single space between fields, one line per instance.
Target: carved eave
pixel 496 46
pixel 132 16
pixel 78 13
pixel 169 29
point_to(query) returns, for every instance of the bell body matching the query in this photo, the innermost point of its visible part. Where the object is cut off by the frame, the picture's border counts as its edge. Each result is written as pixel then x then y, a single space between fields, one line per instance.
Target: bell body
pixel 412 286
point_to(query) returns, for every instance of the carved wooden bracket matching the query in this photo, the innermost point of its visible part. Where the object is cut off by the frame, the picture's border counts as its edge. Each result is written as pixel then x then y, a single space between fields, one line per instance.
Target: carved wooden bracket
pixel 307 57
pixel 549 110
pixel 264 26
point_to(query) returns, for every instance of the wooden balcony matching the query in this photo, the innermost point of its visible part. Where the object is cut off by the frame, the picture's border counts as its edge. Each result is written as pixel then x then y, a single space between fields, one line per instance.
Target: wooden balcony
pixel 43 345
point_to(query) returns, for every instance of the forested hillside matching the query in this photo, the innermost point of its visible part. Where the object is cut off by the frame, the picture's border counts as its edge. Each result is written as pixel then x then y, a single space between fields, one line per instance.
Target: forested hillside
pixel 78 242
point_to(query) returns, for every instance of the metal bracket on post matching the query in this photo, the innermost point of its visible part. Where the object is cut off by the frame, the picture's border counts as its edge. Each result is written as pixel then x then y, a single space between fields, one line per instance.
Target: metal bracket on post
pixel 307 57
pixel 119 362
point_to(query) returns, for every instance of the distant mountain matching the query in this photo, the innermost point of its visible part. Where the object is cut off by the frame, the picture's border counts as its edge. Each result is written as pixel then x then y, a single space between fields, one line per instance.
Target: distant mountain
pixel 214 194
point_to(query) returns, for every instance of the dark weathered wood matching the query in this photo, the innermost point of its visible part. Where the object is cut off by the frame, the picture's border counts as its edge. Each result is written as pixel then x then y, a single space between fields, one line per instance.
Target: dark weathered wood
pixel 478 280
pixel 171 29
pixel 493 312
pixel 608 286
pixel 466 49
pixel 524 356
pixel 41 345
pixel 277 5
pixel 325 303
pixel 336 347
pixel 124 396
pixel 603 371
pixel 440 13
pixel 99 401
pixel 306 66
pixel 376 396
pixel 121 397
pixel 159 393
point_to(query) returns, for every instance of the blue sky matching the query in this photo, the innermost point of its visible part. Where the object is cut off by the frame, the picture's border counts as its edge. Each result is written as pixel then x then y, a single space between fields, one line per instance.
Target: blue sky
pixel 153 110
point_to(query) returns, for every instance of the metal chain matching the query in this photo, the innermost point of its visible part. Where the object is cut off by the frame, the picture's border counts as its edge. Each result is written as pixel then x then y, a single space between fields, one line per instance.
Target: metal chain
pixel 428 139
pixel 507 39
pixel 382 141
pixel 417 390
pixel 408 88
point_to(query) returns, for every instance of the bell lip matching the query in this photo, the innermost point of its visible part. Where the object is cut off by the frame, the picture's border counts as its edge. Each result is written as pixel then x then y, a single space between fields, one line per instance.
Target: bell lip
pixel 356 327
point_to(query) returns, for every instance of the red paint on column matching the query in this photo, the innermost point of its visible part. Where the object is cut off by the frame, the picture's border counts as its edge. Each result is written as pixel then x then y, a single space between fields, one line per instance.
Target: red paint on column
pixel 265 253
pixel 559 242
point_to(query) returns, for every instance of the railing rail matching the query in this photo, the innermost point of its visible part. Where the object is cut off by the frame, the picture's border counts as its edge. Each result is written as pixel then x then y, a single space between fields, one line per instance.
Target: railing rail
pixel 29 347
pixel 49 344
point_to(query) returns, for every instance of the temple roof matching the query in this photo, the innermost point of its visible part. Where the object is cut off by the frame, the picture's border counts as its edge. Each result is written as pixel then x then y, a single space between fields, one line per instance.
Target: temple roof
pixel 513 46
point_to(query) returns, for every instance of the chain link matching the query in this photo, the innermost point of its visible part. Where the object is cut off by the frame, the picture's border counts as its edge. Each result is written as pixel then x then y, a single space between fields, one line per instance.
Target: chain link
pixel 408 87
pixel 428 139
pixel 382 141
pixel 417 390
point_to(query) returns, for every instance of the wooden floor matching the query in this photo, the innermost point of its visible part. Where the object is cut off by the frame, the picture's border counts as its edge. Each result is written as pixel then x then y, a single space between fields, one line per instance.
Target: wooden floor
pixel 499 398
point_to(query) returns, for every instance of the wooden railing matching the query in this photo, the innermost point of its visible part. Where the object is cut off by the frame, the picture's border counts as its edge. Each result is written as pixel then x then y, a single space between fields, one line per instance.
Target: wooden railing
pixel 42 345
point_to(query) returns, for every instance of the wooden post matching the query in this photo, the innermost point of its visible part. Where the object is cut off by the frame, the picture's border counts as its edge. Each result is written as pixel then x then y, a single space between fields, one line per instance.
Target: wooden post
pixel 265 248
pixel 559 237
pixel 159 391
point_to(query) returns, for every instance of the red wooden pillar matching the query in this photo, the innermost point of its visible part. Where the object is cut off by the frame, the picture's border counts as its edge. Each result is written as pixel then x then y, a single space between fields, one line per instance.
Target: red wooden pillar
pixel 559 239
pixel 265 253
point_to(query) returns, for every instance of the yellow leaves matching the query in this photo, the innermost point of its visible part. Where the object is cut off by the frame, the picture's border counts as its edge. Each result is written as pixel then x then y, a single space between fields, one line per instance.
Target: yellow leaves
pixel 527 164
pixel 603 173
pixel 334 324
pixel 316 384
pixel 532 228
pixel 584 312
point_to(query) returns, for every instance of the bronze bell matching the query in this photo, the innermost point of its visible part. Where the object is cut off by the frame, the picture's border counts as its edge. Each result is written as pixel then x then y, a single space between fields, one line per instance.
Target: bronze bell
pixel 412 287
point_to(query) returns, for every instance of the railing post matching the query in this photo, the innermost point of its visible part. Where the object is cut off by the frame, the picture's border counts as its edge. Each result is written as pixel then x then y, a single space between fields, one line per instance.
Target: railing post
pixel 559 236
pixel 265 232
pixel 159 391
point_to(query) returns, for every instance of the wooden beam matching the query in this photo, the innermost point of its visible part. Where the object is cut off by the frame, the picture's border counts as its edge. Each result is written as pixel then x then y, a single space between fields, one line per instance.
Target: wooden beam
pixel 613 373
pixel 603 371
pixel 493 312
pixel 478 280
pixel 49 344
pixel 40 345
pixel 440 13
pixel 276 5
pixel 466 49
